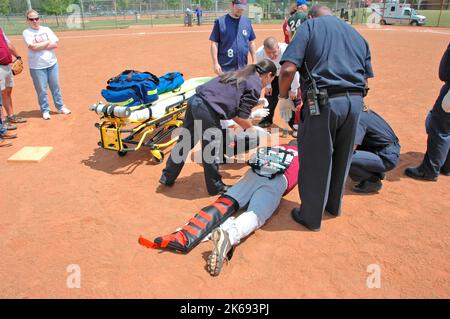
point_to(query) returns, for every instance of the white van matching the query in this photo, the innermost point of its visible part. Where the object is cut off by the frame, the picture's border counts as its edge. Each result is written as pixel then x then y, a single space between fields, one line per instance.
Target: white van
pixel 392 12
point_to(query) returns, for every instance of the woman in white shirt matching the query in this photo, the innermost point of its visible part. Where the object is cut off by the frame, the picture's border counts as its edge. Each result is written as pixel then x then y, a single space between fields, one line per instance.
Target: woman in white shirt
pixel 44 69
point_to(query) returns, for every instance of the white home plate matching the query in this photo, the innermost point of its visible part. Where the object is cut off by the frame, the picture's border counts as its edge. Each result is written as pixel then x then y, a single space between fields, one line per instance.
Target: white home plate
pixel 33 154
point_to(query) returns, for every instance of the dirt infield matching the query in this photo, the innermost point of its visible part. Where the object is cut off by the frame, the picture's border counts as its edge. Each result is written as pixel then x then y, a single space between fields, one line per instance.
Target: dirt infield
pixel 84 205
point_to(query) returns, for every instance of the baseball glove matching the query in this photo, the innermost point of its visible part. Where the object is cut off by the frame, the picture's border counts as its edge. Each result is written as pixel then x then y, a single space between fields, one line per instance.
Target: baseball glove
pixel 17 66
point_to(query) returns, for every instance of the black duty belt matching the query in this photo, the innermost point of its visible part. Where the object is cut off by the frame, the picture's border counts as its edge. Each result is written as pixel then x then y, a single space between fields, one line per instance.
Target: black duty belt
pixel 337 93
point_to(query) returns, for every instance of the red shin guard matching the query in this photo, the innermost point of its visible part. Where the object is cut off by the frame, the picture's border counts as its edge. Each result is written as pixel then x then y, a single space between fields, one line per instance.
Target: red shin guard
pixel 197 228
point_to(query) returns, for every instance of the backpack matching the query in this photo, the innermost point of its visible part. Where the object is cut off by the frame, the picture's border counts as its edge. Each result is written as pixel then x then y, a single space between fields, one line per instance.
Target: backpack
pixel 170 82
pixel 271 161
pixel 132 88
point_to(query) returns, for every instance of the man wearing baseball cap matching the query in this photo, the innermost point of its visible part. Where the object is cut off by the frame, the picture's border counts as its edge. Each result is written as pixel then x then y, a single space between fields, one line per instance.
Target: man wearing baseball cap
pixel 232 38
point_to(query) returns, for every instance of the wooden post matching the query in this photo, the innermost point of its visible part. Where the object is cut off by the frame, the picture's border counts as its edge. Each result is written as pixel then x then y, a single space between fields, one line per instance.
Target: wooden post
pixel 440 12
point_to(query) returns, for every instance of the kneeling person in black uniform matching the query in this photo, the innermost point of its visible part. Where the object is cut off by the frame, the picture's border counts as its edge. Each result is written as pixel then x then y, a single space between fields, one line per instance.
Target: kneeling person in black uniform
pixel 377 151
pixel 231 95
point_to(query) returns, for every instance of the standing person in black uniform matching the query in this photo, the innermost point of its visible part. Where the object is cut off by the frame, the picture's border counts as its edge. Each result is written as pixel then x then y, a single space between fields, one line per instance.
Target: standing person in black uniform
pixel 339 63
pixel 437 157
pixel 229 96
pixel 377 151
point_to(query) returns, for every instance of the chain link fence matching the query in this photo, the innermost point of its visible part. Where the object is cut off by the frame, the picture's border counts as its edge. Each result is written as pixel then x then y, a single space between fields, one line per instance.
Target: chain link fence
pixel 108 14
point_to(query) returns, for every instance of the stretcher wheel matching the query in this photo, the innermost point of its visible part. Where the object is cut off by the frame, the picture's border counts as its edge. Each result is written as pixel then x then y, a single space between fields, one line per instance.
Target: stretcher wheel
pixel 158 156
pixel 123 153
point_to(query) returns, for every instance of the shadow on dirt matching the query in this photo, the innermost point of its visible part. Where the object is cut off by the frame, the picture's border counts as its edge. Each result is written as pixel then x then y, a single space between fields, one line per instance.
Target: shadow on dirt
pixel 191 186
pixel 30 114
pixel 110 162
pixel 397 174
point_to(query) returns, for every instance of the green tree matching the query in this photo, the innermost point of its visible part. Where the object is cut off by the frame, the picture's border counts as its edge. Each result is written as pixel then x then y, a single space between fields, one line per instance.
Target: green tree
pixel 122 4
pixel 264 4
pixel 173 4
pixel 207 4
pixel 55 7
pixel 5 8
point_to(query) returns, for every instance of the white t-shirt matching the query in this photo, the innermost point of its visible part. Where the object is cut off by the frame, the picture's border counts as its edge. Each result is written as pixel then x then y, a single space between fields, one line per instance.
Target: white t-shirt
pixel 40 59
pixel 261 55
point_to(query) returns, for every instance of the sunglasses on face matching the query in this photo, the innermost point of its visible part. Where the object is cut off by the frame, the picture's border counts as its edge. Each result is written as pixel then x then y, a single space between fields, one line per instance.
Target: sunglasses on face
pixel 33 19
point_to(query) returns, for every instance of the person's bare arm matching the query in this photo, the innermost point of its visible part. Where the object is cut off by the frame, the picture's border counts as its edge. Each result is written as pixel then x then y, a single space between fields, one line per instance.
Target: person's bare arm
pixel 39 46
pixel 53 45
pixel 13 50
pixel 291 35
pixel 287 73
pixel 252 49
pixel 214 52
pixel 245 124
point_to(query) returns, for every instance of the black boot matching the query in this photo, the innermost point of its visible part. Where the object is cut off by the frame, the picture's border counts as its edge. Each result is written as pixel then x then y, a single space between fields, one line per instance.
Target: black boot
pixel 221 190
pixel 418 173
pixel 295 213
pixel 368 186
pixel 265 123
pixel 164 181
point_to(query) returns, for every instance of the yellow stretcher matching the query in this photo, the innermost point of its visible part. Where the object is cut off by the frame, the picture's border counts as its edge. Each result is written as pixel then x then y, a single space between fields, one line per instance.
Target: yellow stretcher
pixel 124 129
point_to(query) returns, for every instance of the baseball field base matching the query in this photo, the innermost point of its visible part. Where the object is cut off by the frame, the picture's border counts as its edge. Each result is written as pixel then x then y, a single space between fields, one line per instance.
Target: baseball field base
pixel 31 154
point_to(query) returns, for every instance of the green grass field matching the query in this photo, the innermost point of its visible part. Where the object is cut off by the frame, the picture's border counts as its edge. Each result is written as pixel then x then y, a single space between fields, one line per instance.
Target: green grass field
pixel 15 25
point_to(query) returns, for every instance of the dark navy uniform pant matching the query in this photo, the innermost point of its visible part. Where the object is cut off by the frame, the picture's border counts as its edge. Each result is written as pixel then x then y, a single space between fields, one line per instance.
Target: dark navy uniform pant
pixel 325 151
pixel 273 100
pixel 198 110
pixel 369 164
pixel 437 125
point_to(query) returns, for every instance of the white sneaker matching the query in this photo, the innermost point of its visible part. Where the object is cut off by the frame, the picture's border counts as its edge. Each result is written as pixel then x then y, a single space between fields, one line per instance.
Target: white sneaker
pixel 46 116
pixel 64 110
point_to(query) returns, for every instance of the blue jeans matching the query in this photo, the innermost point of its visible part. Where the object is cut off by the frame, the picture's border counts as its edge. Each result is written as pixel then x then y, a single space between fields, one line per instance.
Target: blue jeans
pixel 44 78
pixel 2 125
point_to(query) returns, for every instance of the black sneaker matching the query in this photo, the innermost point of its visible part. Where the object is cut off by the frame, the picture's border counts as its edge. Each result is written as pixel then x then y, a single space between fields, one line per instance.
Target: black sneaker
pixel 445 172
pixel 295 213
pixel 265 123
pixel 222 190
pixel 418 173
pixel 165 182
pixel 367 187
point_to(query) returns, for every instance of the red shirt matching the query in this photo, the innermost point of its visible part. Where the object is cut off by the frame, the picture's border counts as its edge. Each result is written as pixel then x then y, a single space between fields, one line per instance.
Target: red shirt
pixel 5 53
pixel 286 34
pixel 291 174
